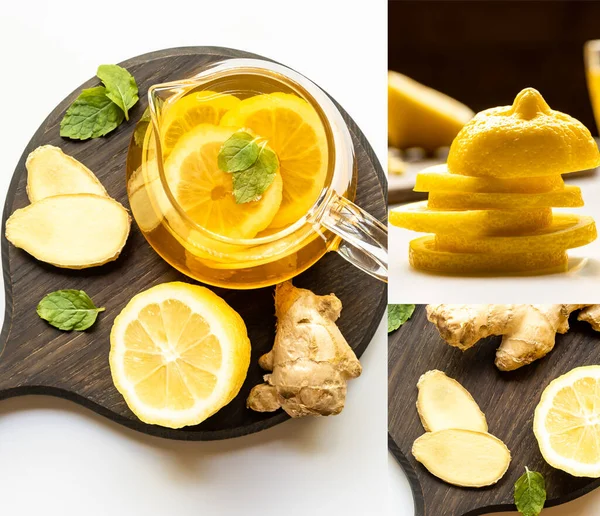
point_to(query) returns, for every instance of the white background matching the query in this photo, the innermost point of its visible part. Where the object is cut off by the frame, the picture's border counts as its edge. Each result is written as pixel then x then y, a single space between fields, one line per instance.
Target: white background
pixel 59 459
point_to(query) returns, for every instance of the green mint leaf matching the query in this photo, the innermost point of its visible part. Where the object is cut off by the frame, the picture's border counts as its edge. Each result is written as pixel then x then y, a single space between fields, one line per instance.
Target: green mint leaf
pixel 140 130
pixel 398 315
pixel 68 310
pixel 121 87
pixel 530 493
pixel 250 184
pixel 92 115
pixel 239 152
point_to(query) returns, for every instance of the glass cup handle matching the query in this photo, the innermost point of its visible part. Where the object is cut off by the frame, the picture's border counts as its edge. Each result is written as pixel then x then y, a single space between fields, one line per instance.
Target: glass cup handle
pixel 364 238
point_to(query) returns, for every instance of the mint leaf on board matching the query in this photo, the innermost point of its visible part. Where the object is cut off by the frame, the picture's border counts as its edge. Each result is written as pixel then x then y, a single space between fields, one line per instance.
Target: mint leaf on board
pixel 398 315
pixel 68 310
pixel 239 152
pixel 92 115
pixel 250 184
pixel 530 493
pixel 121 87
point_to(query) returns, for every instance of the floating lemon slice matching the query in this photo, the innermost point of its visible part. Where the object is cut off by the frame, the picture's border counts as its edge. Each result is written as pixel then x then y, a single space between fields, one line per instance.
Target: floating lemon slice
pixel 178 354
pixel 202 107
pixel 294 131
pixel 205 192
pixel 567 422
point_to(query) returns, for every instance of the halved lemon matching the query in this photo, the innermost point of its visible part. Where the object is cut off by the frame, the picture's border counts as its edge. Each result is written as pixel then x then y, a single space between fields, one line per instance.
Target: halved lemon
pixel 205 192
pixel 295 132
pixel 202 107
pixel 178 354
pixel 567 422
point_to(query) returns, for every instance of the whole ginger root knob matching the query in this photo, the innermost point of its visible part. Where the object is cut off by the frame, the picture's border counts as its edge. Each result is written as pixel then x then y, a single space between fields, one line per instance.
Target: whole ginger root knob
pixel 528 330
pixel 310 360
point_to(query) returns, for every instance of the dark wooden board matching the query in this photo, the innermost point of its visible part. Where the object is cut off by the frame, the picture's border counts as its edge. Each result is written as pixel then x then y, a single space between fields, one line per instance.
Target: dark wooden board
pixel 507 399
pixel 36 358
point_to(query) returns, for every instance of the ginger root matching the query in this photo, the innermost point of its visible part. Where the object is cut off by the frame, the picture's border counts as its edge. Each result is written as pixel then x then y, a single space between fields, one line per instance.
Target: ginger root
pixel 528 330
pixel 463 457
pixel 444 403
pixel 310 360
pixel 51 172
pixel 71 231
pixel 457 447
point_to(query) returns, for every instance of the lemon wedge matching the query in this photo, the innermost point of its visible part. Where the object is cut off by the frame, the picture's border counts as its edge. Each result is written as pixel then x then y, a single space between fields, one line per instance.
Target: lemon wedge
pixel 567 422
pixel 178 354
pixel 296 134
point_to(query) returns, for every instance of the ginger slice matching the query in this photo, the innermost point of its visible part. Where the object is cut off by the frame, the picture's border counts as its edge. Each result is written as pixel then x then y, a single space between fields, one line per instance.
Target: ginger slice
pixel 438 179
pixel 310 360
pixel 71 231
pixel 444 403
pixel 567 231
pixel 463 457
pixel 51 172
pixel 424 255
pixel 528 330
pixel 569 197
pixel 418 217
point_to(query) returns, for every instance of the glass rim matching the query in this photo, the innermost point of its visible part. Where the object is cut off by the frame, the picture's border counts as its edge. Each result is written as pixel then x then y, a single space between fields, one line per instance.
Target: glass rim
pixel 343 153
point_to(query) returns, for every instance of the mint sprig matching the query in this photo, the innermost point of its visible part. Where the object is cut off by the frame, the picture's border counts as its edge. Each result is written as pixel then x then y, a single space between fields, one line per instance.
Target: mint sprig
pixel 120 85
pixel 68 310
pixel 398 315
pixel 253 166
pixel 98 111
pixel 530 493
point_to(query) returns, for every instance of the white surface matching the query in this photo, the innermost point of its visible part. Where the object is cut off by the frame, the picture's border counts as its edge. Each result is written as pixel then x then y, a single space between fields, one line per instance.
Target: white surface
pixel 580 284
pixel 59 459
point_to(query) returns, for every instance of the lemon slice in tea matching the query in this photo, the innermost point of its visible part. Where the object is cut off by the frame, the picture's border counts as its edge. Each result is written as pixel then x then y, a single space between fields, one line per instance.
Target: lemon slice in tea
pixel 202 107
pixel 294 131
pixel 178 354
pixel 205 192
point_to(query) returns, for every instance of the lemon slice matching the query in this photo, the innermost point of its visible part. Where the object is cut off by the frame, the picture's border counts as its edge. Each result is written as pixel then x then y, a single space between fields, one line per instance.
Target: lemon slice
pixel 295 132
pixel 205 192
pixel 202 107
pixel 178 354
pixel 567 422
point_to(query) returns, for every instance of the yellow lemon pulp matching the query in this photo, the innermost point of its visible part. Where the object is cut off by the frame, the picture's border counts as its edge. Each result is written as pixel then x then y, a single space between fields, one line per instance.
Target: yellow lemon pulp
pixel 419 116
pixel 178 354
pixel 205 192
pixel 296 134
pixel 567 422
pixel 202 107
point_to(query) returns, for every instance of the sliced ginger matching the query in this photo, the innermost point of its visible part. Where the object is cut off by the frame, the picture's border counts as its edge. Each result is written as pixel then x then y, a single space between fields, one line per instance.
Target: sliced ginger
pixel 52 172
pixel 71 231
pixel 438 179
pixel 444 403
pixel 418 217
pixel 425 255
pixel 463 457
pixel 310 362
pixel 457 447
pixel 566 232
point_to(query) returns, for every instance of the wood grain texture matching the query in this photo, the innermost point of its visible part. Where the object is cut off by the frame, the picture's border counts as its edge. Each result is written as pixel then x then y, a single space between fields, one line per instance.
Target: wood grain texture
pixel 36 358
pixel 507 399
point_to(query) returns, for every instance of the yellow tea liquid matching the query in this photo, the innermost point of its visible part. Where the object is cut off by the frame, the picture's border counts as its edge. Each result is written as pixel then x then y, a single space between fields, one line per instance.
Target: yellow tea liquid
pixel 593 80
pixel 185 205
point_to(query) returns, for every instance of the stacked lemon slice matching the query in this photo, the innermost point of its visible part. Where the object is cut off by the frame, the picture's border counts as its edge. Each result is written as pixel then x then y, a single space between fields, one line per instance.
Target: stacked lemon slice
pixel 490 206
